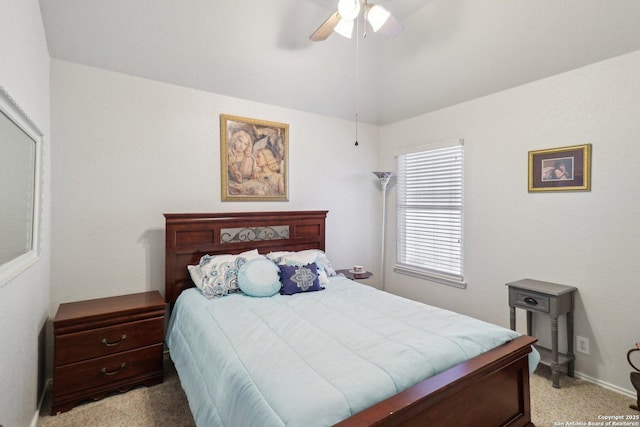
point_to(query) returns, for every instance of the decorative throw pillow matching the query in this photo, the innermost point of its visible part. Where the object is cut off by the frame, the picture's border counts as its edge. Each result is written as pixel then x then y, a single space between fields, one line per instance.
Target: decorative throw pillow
pixel 219 273
pixel 301 258
pixel 324 263
pixel 304 257
pixel 259 277
pixel 300 278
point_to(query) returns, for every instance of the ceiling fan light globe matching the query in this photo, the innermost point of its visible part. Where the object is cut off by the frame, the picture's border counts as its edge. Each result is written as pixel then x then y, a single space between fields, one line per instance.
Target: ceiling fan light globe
pixel 377 16
pixel 344 28
pixel 349 9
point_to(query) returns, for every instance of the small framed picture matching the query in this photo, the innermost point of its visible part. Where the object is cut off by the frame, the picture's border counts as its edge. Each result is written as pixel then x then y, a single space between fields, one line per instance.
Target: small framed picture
pixel 560 169
pixel 254 159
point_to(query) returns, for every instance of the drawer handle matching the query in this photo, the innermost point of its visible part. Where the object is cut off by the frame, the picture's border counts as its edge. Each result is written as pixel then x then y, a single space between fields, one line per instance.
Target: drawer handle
pixel 111 344
pixel 531 301
pixel 104 370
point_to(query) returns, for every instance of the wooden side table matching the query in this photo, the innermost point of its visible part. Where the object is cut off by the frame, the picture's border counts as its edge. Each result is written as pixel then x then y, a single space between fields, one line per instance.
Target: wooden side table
pixel 355 276
pixel 553 300
pixel 105 345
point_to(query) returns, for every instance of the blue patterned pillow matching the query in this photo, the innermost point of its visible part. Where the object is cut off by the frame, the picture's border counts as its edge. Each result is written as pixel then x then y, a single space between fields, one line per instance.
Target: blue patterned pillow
pixel 299 278
pixel 217 275
pixel 324 263
pixel 259 278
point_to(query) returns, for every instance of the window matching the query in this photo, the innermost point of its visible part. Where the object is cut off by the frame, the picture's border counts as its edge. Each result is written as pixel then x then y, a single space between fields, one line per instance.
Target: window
pixel 430 213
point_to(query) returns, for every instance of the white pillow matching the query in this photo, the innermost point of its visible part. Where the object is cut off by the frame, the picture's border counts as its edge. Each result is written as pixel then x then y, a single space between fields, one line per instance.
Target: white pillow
pixel 300 258
pixel 196 275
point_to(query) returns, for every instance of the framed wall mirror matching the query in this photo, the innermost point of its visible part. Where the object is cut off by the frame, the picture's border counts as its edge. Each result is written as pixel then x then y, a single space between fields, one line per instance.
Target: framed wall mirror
pixel 20 189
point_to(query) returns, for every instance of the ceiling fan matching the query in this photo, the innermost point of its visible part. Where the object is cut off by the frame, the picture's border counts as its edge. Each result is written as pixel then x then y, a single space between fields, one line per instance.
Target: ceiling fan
pixel 342 20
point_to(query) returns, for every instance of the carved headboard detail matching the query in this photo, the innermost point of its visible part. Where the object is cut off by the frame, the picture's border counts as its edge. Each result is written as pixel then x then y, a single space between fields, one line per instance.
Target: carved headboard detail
pixel 190 236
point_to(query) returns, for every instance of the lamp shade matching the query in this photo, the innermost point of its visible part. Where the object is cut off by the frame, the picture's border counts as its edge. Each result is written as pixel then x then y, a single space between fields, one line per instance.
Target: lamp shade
pixel 349 9
pixel 377 16
pixel 344 28
pixel 384 178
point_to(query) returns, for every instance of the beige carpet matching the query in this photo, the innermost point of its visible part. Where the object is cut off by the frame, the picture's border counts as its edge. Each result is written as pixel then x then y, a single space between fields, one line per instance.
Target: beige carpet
pixel 576 403
pixel 161 405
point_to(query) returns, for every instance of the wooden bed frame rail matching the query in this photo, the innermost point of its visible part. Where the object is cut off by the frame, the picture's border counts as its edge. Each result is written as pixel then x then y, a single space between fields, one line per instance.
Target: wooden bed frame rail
pixel 491 389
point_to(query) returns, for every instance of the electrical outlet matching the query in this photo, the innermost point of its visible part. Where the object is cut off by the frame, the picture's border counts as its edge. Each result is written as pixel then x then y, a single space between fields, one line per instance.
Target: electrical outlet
pixel 582 344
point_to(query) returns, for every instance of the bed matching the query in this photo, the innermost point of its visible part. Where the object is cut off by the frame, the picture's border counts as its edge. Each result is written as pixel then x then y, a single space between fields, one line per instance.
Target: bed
pixel 489 389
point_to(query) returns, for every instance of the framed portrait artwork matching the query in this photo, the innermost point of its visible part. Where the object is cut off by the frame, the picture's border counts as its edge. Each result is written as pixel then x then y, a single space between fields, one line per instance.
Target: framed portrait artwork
pixel 254 159
pixel 560 169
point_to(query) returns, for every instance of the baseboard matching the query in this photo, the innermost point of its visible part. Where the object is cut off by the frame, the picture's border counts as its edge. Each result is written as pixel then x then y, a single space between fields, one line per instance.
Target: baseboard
pixel 46 387
pixel 608 386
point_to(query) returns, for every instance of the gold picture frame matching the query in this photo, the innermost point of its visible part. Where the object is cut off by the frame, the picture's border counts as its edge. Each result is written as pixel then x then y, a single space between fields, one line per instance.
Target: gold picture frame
pixel 560 169
pixel 254 158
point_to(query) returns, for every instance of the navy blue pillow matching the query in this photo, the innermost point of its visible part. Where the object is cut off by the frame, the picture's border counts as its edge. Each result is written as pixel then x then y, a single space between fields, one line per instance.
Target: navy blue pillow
pixel 299 278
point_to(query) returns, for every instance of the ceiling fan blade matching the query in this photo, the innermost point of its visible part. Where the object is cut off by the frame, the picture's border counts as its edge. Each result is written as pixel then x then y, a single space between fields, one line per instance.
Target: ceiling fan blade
pixel 326 28
pixel 391 28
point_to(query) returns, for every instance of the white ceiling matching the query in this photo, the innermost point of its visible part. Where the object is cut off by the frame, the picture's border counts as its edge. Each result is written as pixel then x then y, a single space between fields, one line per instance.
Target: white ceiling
pixel 450 51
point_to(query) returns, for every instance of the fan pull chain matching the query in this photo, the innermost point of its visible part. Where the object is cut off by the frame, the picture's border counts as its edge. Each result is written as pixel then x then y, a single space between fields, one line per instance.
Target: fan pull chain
pixel 357 74
pixel 365 17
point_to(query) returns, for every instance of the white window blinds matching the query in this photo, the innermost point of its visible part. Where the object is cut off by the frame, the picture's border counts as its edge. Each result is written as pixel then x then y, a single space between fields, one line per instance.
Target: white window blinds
pixel 430 213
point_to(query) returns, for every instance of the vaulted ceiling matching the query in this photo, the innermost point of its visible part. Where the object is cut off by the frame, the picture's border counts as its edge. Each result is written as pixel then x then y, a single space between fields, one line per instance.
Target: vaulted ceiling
pixel 450 50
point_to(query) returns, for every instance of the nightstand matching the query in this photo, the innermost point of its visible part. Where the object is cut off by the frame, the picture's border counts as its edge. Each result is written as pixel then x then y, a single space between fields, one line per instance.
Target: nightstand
pixel 355 276
pixel 552 300
pixel 106 345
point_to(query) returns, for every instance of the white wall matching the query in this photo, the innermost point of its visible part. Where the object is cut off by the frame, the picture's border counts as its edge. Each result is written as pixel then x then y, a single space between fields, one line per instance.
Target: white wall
pixel 24 302
pixel 587 239
pixel 128 150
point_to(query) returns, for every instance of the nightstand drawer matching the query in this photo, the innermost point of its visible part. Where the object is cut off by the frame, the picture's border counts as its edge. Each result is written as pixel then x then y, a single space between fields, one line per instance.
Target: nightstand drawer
pixel 104 341
pixel 531 300
pixel 108 369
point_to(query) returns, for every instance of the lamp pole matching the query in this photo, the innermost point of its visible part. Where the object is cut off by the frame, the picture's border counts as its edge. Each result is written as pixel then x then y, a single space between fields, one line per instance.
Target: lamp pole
pixel 384 178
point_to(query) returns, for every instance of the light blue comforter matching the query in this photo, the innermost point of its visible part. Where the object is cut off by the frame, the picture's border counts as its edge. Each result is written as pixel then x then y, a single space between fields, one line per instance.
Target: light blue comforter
pixel 315 358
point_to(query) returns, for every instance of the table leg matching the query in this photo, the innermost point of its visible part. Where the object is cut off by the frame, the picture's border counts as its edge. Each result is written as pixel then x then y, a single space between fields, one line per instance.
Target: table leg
pixel 555 367
pixel 572 361
pixel 512 318
pixel 529 323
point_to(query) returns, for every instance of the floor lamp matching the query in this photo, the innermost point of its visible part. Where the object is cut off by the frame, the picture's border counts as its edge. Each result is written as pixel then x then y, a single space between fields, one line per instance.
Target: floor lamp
pixel 384 178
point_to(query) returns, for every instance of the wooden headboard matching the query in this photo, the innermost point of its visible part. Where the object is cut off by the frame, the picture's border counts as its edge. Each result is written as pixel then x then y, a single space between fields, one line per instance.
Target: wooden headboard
pixel 190 236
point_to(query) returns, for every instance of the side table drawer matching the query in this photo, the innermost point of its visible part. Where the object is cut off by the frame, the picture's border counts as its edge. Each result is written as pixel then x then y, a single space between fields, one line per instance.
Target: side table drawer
pixel 104 370
pixel 530 300
pixel 108 340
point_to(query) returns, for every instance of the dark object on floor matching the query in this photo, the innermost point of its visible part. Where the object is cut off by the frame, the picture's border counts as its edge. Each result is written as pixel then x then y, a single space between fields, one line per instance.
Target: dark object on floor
pixel 635 377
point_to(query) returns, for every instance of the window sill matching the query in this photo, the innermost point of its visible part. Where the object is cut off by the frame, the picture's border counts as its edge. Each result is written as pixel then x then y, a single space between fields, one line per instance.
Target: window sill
pixel 424 274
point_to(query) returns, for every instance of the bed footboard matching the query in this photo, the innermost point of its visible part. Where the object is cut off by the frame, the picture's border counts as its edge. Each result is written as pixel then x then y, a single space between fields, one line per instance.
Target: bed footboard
pixel 489 390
